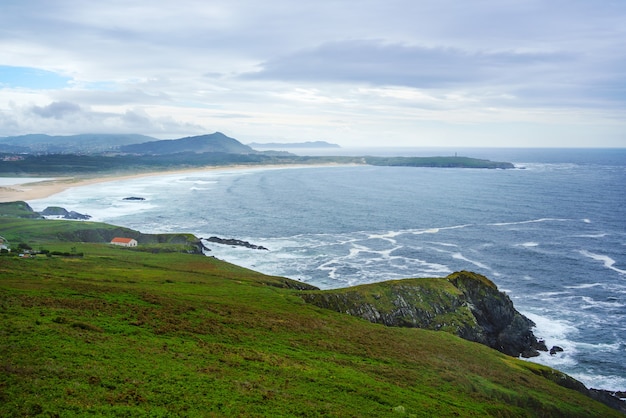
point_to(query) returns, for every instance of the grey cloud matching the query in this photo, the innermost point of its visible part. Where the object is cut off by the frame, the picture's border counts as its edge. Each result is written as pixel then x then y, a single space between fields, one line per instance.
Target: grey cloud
pixel 379 63
pixel 54 119
pixel 116 97
pixel 56 110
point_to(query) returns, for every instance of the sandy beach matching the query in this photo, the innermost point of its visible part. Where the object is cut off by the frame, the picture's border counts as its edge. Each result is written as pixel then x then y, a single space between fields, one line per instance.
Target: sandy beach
pixel 32 190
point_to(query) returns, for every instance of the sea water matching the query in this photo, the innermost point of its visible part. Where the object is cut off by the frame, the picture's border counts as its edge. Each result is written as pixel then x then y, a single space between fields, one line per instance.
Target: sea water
pixel 550 233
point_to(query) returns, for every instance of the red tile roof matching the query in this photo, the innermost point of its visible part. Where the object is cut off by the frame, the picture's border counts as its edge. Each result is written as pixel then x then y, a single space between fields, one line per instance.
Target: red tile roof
pixel 122 240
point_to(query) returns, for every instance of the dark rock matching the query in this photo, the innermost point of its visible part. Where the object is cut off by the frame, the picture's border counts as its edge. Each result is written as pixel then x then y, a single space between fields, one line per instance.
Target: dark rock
pixel 63 213
pixel 555 349
pixel 235 242
pixel 541 345
pixel 134 198
pixel 608 398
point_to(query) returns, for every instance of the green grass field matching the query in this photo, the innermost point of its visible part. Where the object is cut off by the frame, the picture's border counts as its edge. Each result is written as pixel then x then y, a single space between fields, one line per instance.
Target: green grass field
pixel 118 332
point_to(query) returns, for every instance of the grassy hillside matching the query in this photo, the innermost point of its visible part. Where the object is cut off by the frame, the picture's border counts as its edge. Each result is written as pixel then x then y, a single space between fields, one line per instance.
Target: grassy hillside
pixel 125 333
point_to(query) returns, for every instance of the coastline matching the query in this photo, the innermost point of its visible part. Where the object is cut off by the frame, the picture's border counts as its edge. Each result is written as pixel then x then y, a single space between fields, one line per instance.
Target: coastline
pixel 47 187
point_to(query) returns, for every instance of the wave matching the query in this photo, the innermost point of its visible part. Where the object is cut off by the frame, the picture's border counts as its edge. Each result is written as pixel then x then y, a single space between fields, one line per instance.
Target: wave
pixel 542 167
pixel 597 381
pixel 592 303
pixel 584 286
pixel 530 221
pixel 605 259
pixel 600 235
pixel 555 333
pixel 459 256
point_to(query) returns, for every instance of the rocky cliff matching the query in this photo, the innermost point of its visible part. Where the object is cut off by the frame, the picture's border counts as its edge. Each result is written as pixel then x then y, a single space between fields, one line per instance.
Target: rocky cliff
pixel 466 304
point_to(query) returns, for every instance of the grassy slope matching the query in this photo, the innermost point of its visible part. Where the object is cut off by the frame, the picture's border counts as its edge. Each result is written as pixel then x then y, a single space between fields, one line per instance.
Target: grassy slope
pixel 119 332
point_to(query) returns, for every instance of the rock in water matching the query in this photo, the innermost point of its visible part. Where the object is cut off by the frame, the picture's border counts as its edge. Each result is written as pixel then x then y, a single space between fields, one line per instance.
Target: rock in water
pixel 62 213
pixel 235 243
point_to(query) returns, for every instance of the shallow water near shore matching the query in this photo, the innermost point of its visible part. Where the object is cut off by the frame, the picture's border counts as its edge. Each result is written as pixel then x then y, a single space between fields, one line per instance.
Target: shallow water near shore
pixel 552 233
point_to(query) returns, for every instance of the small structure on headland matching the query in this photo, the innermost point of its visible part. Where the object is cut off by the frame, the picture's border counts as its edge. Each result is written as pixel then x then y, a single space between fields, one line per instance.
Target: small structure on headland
pixel 124 242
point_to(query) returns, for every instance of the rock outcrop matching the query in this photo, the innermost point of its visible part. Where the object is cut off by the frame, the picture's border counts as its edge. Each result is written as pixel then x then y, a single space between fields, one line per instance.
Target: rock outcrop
pixel 235 243
pixel 466 304
pixel 62 213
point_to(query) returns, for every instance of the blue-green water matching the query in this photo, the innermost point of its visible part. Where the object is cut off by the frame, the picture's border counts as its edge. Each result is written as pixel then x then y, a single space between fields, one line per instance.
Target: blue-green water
pixel 552 235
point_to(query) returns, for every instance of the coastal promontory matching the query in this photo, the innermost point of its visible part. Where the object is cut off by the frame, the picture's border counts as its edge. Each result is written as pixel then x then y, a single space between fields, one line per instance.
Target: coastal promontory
pixel 465 304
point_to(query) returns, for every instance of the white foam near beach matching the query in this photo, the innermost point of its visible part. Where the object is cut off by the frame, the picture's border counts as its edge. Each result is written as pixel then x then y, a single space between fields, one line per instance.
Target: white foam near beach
pixel 12 181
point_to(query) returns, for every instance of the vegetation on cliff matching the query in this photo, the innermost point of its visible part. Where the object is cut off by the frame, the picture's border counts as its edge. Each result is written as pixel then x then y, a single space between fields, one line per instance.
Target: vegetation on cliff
pixel 440 162
pixel 119 332
pixel 465 304
pixel 20 221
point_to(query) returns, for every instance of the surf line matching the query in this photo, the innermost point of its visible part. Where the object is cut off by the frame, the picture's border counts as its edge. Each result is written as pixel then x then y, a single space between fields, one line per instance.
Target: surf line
pixel 606 260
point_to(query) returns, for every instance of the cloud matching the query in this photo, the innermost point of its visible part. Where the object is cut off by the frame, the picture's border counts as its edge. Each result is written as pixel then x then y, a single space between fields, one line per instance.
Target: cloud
pixel 381 63
pixel 56 110
pixel 66 118
pixel 294 69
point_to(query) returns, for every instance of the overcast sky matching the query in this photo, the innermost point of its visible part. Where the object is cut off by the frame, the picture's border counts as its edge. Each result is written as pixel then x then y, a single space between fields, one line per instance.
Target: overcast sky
pixel 356 73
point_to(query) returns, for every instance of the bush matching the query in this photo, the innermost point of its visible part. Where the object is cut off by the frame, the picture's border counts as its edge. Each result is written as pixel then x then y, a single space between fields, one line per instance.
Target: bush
pixel 22 246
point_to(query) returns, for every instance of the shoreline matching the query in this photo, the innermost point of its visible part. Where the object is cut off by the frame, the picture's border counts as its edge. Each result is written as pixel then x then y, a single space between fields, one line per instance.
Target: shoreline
pixel 34 190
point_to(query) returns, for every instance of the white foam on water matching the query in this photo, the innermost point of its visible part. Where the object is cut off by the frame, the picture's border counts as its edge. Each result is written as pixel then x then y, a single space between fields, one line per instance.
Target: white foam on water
pixel 12 181
pixel 592 303
pixel 444 244
pixel 563 333
pixel 606 260
pixel 459 256
pixel 598 381
pixel 531 221
pixel 584 286
pixel 601 235
pixel 528 244
pixel 545 296
pixel 554 333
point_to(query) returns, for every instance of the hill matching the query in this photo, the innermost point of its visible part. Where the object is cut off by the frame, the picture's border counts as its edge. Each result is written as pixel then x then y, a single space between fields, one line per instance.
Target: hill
pixel 84 143
pixel 118 331
pixel 439 162
pixel 216 142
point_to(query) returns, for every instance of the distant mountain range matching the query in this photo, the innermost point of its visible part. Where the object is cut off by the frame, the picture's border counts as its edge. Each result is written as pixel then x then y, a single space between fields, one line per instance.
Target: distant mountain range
pixel 122 144
pixel 216 142
pixel 84 143
pixel 280 145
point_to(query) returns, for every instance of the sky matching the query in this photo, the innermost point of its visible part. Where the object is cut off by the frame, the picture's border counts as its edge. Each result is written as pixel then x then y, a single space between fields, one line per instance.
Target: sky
pixel 409 73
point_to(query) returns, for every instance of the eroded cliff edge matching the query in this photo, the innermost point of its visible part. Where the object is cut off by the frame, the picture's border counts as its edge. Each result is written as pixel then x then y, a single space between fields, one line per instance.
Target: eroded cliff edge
pixel 466 304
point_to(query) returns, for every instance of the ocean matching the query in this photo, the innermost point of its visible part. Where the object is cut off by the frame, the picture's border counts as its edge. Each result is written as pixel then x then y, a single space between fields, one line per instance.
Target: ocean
pixel 550 233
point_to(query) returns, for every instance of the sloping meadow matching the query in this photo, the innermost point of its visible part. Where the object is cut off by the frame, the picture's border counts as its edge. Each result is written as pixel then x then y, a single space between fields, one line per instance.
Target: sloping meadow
pixel 122 332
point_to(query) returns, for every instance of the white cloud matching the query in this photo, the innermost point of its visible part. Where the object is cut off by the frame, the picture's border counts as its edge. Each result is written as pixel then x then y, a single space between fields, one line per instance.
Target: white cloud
pixel 351 72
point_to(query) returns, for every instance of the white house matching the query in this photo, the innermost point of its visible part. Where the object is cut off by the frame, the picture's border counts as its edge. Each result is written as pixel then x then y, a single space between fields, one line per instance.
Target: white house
pixel 124 242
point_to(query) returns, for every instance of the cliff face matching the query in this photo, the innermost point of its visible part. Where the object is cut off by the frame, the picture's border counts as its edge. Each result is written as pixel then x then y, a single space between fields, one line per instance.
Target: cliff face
pixel 466 304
